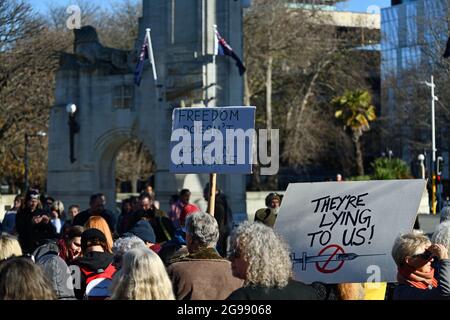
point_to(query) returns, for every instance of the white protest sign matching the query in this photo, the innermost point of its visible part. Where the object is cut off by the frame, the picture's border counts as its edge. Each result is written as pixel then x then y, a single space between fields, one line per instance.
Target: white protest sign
pixel 340 232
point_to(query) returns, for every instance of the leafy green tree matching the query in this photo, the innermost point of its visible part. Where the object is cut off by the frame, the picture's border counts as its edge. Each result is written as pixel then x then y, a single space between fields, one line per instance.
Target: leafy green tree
pixel 355 110
pixel 390 169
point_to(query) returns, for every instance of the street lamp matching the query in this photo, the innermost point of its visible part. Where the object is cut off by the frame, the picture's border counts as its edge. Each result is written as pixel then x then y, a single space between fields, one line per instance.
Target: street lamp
pixel 74 128
pixel 434 98
pixel 390 153
pixel 27 140
pixel 421 158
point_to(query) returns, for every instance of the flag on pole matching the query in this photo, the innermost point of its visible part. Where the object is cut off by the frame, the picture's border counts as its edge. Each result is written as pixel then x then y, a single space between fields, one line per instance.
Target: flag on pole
pixel 222 48
pixel 146 53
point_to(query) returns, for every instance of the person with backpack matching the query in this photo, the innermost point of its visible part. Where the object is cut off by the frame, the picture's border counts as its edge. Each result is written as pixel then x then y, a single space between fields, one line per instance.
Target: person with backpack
pixel 96 267
pixel 55 268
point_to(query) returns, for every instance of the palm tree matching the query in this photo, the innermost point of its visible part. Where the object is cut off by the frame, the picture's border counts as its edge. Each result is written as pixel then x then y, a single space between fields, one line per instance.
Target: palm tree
pixel 355 109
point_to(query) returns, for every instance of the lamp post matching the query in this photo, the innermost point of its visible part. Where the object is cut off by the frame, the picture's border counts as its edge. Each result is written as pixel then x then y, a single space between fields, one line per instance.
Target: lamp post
pixel 390 153
pixel 74 128
pixel 434 98
pixel 27 141
pixel 421 158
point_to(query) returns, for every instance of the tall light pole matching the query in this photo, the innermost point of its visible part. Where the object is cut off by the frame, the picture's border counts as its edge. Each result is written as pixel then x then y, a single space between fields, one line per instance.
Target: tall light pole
pixel 432 85
pixel 25 158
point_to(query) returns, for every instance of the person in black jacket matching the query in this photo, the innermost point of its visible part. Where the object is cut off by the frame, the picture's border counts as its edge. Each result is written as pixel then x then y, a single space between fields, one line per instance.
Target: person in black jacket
pixel 161 224
pixel 261 259
pixel 95 262
pixel 30 221
pixel 224 218
pixel 96 208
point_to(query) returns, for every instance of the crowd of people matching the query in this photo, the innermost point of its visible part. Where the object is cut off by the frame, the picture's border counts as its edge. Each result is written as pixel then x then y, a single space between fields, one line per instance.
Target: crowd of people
pixel 47 252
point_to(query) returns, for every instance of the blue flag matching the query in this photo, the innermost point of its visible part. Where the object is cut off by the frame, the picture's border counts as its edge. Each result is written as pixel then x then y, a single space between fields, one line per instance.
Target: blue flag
pixel 140 65
pixel 224 49
pixel 146 53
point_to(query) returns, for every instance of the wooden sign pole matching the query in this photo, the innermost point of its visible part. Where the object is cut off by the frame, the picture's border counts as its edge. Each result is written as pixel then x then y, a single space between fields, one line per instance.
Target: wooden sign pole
pixel 212 193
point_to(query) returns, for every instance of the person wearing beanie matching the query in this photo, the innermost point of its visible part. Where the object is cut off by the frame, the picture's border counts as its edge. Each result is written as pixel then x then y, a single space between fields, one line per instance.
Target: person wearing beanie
pixel 144 231
pixel 176 248
pixel 95 259
pixel 269 214
pixel 162 226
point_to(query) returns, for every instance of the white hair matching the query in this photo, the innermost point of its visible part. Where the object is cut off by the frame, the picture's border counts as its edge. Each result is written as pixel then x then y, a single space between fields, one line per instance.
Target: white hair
pixel 123 245
pixel 203 228
pixel 442 234
pixel 266 253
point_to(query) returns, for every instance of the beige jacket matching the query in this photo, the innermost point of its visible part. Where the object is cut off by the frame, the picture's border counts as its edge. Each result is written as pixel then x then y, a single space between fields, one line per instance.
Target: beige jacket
pixel 203 275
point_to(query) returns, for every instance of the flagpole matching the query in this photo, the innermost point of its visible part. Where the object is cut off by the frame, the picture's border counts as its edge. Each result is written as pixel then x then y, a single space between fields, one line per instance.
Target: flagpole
pixel 215 48
pixel 213 176
pixel 150 53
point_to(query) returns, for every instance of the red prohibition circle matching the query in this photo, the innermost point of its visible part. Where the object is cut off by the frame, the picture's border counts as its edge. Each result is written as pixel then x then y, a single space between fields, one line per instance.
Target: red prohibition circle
pixel 323 269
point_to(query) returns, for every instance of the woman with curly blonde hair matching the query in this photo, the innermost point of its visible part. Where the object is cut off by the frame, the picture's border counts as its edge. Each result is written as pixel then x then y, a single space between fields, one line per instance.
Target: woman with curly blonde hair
pixel 142 277
pixel 261 258
pixel 99 223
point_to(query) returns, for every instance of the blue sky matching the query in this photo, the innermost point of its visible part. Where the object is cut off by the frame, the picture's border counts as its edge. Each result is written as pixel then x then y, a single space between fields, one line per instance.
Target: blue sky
pixel 42 5
pixel 364 5
pixel 350 5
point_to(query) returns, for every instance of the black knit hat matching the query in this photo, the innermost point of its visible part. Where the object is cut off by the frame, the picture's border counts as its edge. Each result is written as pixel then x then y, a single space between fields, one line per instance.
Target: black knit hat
pixel 92 237
pixel 143 230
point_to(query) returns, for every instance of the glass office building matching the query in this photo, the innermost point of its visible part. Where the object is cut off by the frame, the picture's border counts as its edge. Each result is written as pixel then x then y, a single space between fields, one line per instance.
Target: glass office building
pixel 408 30
pixel 413 38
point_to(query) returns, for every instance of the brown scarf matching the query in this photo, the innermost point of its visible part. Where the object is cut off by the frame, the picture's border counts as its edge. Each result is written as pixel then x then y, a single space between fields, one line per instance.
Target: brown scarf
pixel 415 278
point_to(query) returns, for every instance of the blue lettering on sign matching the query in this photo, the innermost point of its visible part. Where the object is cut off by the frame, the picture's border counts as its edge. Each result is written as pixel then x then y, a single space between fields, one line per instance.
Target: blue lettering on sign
pixel 212 140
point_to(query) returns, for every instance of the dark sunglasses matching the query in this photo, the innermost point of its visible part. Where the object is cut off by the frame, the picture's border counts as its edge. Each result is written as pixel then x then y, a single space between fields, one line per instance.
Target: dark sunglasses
pixel 424 256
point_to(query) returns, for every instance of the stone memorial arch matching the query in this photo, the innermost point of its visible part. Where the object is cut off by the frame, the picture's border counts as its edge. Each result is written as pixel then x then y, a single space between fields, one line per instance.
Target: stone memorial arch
pixel 111 110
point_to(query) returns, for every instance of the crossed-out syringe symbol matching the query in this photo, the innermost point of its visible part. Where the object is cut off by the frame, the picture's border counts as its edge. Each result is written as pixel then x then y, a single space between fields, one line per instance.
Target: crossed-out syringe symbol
pixel 328 258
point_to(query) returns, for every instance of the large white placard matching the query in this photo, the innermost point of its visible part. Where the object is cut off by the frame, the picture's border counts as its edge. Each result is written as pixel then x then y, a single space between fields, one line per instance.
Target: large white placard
pixel 342 232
